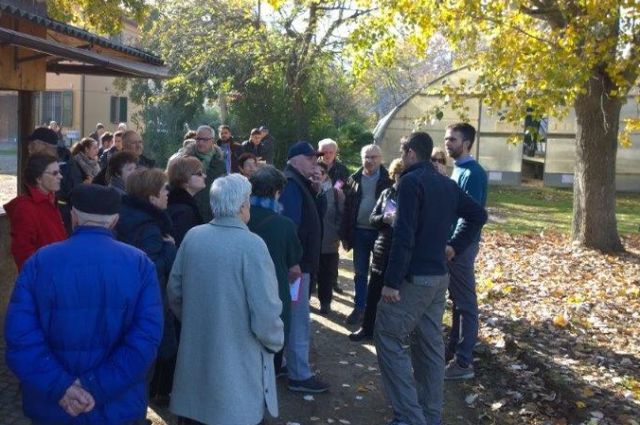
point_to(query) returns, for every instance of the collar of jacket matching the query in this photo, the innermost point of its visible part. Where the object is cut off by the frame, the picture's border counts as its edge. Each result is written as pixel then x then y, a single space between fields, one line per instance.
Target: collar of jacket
pixel 229 222
pixel 179 195
pixel 357 176
pixel 421 164
pixel 39 196
pixel 298 176
pixel 96 230
pixel 146 207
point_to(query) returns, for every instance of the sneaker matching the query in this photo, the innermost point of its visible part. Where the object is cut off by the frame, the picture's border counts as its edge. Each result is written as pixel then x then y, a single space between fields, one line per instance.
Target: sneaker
pixel 454 371
pixel 448 355
pixel 283 372
pixel 355 317
pixel 311 385
pixel 360 335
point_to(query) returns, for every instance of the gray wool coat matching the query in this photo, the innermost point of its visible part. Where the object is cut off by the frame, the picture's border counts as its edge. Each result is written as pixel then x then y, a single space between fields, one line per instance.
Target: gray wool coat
pixel 223 288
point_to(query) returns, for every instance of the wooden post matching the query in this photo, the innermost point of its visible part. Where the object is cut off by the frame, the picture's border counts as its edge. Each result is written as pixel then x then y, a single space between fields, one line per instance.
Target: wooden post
pixel 25 128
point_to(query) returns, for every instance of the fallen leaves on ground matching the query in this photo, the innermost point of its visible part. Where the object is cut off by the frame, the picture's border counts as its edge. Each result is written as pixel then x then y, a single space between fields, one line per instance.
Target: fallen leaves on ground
pixel 560 331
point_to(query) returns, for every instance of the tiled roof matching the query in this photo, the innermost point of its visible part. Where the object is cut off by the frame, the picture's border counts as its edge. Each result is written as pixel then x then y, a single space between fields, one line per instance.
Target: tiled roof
pixel 78 33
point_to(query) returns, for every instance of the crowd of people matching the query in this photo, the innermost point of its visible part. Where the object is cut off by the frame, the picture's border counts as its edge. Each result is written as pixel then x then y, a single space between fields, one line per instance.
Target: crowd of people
pixel 204 299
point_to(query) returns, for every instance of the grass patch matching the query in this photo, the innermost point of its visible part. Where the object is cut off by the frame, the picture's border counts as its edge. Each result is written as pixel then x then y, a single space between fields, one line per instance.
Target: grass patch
pixel 525 209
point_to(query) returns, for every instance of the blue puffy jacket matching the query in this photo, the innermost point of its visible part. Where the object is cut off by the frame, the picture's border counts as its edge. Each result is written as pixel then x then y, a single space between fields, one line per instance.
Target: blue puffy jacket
pixel 88 308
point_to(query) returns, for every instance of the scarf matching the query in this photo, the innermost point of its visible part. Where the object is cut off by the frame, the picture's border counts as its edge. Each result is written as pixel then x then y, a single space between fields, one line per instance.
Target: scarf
pixel 90 167
pixel 268 203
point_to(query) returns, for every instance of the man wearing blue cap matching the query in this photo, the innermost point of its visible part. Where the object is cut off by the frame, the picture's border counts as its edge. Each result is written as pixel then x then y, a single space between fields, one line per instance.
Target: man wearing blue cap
pixel 82 334
pixel 298 200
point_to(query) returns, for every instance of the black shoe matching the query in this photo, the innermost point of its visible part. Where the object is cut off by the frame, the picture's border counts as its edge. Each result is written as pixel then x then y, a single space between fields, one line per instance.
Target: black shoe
pixel 311 385
pixel 325 309
pixel 360 335
pixel 337 289
pixel 448 355
pixel 355 317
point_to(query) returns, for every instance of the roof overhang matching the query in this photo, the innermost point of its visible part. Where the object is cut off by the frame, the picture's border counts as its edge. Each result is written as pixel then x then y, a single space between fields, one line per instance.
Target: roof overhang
pixel 74 60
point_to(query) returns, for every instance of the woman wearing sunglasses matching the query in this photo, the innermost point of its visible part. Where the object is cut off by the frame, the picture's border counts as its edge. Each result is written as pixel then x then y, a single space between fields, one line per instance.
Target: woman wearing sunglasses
pixel 186 178
pixel 35 219
pixel 144 223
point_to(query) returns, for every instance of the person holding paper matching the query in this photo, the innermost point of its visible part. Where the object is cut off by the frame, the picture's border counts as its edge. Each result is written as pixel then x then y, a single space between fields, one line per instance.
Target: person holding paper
pixel 382 219
pixel 279 233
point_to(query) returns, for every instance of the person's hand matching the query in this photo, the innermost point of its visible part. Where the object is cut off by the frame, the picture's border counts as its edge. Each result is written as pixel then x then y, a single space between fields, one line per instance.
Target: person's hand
pixel 169 238
pixel 77 400
pixel 390 295
pixel 449 252
pixel 294 273
pixel 388 217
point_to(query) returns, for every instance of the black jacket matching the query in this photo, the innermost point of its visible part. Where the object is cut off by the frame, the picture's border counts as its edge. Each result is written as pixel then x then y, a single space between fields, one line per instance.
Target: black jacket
pixel 338 172
pixel 298 197
pixel 428 206
pixel 382 245
pixel 183 211
pixel 353 196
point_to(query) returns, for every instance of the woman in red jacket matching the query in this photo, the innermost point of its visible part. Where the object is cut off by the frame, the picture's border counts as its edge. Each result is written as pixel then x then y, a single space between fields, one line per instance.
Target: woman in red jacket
pixel 35 219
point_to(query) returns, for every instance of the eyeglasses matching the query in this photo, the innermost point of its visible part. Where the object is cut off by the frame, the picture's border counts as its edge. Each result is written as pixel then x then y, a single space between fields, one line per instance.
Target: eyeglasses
pixel 52 173
pixel 440 160
pixel 199 174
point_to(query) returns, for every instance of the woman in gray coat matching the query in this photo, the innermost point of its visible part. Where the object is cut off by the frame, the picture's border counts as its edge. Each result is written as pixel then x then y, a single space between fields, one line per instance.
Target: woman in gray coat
pixel 223 288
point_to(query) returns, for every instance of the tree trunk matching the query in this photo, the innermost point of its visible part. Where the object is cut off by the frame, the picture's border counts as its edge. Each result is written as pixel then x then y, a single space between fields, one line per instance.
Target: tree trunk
pixel 224 110
pixel 300 115
pixel 594 187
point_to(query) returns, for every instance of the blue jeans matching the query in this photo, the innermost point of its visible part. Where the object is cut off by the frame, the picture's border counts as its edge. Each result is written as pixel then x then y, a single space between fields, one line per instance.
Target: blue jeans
pixel 297 349
pixel 462 291
pixel 362 248
pixel 410 350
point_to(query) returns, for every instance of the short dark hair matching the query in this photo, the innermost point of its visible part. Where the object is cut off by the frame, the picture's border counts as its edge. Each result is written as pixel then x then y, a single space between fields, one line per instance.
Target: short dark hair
pixel 118 133
pixel 99 126
pixel 266 181
pixel 36 165
pixel 255 131
pixel 419 142
pixel 467 131
pixel 245 157
pixel 106 137
pixel 223 127
pixel 119 160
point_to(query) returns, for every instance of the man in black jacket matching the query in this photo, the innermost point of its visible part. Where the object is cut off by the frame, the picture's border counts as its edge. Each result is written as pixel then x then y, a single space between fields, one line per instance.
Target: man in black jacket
pixel 300 204
pixel 362 191
pixel 416 282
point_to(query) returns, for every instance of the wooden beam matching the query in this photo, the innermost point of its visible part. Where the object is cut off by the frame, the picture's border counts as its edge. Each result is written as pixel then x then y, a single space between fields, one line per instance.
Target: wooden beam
pixel 26 126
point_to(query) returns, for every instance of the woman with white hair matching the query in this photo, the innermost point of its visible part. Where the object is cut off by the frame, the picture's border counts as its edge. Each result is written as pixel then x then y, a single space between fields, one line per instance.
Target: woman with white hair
pixel 230 314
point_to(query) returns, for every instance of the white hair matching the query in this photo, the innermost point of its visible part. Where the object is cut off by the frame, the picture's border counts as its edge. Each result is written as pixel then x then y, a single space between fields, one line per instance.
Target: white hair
pixel 94 219
pixel 327 142
pixel 369 148
pixel 207 128
pixel 228 194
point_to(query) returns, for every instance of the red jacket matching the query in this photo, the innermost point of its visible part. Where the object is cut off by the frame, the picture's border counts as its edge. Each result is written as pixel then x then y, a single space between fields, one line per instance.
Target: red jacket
pixel 35 222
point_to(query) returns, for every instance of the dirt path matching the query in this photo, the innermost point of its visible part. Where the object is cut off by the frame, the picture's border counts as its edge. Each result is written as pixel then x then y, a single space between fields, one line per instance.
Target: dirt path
pixel 352 370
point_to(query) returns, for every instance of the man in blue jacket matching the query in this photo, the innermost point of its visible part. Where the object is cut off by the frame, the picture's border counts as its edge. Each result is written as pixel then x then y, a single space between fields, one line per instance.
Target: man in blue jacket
pixel 470 177
pixel 410 312
pixel 82 334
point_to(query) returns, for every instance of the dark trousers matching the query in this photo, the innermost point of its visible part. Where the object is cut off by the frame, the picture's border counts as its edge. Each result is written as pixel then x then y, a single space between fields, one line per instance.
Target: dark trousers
pixel 327 276
pixel 187 421
pixel 376 282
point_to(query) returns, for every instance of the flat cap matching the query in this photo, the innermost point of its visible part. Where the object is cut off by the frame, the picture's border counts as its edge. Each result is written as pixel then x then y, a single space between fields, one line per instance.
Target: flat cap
pixel 44 134
pixel 95 199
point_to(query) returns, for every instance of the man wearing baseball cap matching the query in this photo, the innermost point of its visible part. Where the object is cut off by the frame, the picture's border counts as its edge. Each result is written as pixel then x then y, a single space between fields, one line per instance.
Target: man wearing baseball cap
pixel 298 200
pixel 82 334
